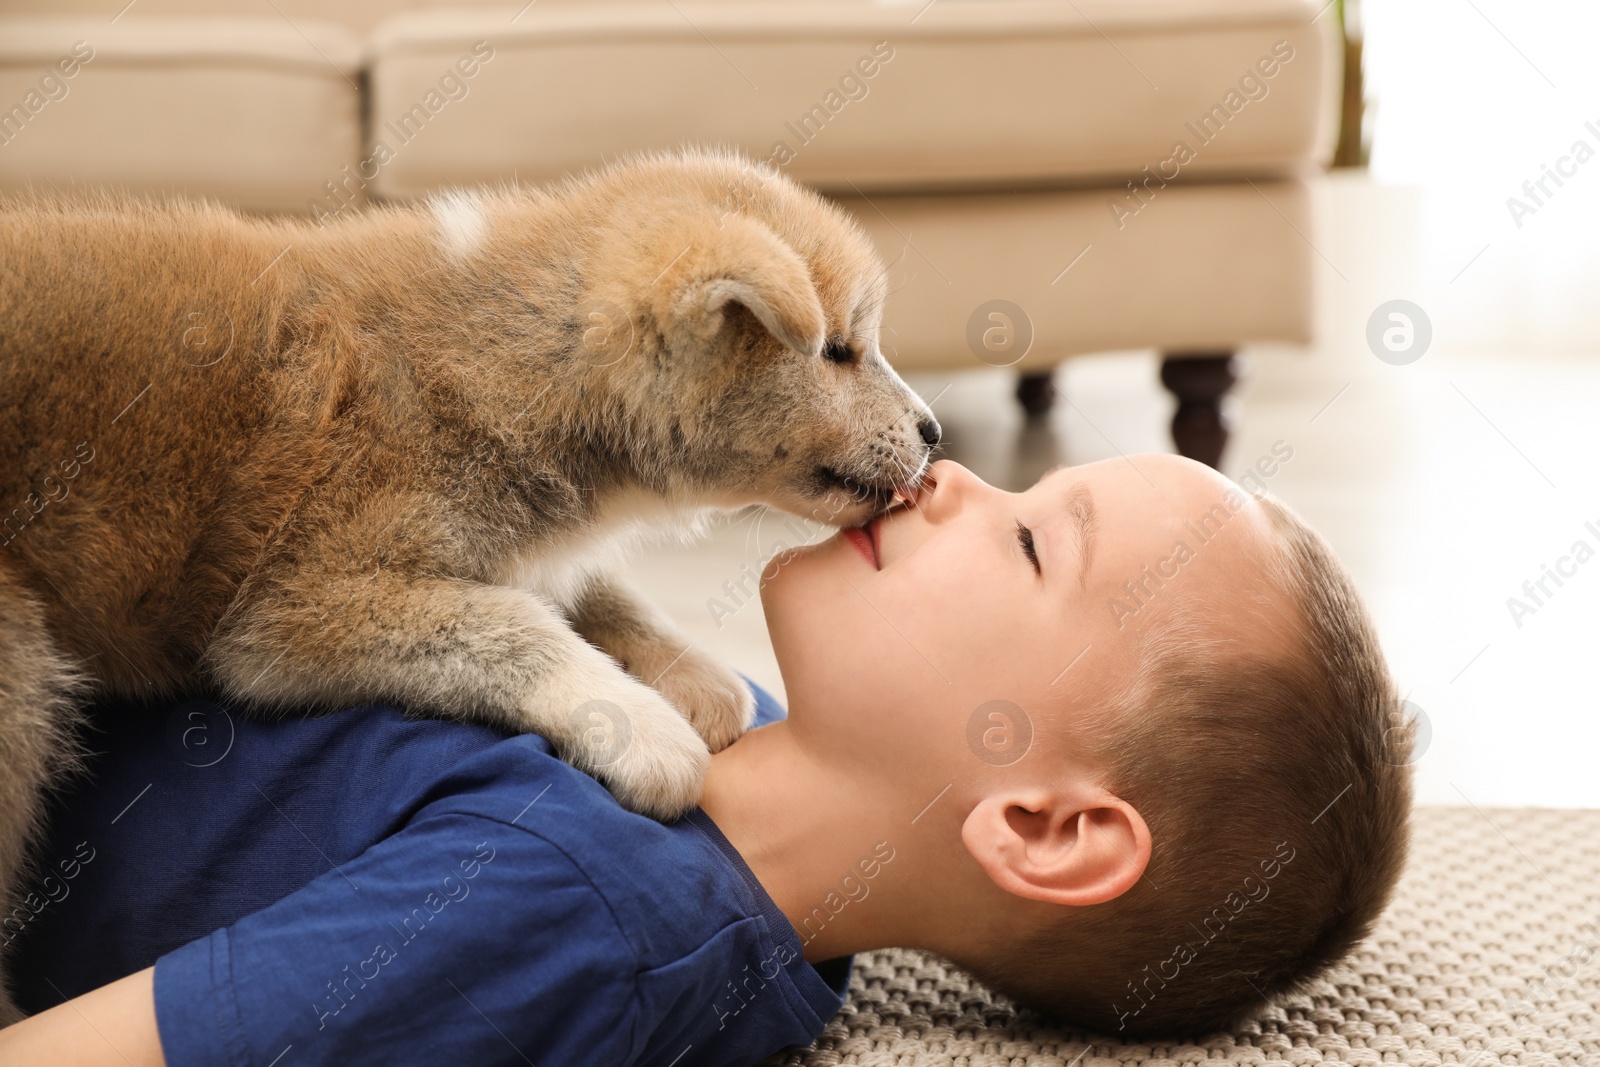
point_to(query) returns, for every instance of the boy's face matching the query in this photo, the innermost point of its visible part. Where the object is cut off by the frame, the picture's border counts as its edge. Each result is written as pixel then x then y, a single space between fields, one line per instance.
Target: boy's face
pixel 893 664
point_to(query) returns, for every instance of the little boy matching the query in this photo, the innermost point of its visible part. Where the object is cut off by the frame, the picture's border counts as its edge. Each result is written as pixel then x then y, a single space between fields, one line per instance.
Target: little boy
pixel 1122 744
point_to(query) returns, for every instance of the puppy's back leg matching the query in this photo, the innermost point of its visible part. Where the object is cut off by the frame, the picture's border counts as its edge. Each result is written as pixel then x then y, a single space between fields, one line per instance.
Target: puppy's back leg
pixel 39 693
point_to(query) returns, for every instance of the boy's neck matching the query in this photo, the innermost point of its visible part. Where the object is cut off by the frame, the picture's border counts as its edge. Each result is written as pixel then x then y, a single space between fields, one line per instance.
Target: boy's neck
pixel 834 849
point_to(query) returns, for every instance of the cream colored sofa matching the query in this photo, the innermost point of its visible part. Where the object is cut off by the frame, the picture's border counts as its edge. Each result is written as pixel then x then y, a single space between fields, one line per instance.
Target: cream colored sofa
pixel 1048 177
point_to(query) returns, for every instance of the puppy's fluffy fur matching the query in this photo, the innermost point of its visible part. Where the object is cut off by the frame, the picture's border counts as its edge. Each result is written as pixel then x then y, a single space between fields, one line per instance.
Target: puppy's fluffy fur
pixel 398 458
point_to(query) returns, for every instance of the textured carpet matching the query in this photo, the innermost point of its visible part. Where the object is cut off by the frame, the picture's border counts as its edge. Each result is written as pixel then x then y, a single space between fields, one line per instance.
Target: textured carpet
pixel 1486 956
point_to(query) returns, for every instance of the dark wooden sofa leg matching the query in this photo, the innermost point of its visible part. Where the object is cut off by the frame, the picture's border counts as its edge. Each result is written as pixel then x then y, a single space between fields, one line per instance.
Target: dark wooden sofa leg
pixel 1199 380
pixel 1036 391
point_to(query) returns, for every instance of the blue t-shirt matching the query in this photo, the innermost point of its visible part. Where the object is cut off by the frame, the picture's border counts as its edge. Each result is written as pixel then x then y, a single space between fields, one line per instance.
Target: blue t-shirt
pixel 365 887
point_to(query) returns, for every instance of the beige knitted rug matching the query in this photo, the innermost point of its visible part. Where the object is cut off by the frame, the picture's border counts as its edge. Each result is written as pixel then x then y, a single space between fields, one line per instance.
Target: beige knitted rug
pixel 1487 956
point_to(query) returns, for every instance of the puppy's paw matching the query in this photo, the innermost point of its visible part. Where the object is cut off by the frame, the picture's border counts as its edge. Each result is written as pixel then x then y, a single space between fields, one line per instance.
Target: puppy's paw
pixel 715 700
pixel 637 744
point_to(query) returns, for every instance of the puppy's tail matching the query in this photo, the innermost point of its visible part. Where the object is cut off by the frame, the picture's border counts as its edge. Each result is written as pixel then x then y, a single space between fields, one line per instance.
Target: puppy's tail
pixel 41 691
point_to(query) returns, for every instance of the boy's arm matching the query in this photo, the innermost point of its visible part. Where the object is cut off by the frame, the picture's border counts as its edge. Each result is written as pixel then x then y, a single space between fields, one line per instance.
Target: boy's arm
pixel 114 1026
pixel 458 939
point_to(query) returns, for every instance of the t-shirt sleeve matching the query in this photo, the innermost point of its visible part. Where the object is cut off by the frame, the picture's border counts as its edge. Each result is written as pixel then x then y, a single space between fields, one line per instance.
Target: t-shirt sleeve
pixel 460 939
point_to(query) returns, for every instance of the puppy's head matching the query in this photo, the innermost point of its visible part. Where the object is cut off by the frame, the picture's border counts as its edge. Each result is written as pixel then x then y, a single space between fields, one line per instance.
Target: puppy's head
pixel 758 369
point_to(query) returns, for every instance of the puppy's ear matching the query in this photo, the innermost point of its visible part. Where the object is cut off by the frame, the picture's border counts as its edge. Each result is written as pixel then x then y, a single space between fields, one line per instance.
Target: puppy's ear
pixel 740 261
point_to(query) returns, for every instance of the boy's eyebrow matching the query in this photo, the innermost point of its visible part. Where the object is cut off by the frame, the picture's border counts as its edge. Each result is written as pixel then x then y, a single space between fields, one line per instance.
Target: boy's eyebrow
pixel 1081 513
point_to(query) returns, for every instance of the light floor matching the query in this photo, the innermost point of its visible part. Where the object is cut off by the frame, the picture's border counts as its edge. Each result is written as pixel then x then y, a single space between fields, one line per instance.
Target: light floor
pixel 1444 485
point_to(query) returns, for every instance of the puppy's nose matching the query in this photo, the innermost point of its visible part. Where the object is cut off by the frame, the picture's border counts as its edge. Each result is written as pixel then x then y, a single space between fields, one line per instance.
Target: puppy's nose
pixel 929 429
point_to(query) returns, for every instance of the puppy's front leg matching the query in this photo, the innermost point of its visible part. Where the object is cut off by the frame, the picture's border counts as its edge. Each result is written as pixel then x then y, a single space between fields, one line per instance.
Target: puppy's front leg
pixel 649 646
pixel 462 650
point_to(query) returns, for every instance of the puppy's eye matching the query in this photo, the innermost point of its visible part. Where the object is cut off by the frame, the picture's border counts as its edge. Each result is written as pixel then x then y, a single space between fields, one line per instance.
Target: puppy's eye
pixel 838 351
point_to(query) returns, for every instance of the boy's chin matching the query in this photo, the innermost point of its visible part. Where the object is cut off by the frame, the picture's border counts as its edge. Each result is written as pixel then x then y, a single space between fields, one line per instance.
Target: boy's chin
pixel 782 567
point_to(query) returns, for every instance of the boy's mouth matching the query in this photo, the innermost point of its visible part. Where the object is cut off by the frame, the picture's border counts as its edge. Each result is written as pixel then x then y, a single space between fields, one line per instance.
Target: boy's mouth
pixel 865 540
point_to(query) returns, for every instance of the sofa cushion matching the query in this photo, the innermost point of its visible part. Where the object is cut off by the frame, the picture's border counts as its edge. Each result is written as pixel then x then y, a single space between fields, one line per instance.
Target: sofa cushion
pixel 844 93
pixel 1025 278
pixel 356 16
pixel 257 113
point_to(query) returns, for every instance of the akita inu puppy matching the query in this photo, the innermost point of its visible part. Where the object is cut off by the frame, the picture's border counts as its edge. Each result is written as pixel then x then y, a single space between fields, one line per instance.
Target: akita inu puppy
pixel 397 457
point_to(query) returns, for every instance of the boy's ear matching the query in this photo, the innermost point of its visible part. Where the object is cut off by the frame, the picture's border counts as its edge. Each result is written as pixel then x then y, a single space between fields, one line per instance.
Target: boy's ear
pixel 739 260
pixel 1045 845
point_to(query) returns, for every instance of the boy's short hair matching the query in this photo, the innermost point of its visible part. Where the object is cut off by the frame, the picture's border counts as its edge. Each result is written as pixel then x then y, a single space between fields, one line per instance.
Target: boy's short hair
pixel 1277 790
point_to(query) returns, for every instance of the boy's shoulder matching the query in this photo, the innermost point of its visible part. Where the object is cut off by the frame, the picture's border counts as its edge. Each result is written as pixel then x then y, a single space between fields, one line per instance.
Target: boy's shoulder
pixel 668 885
pixel 193 817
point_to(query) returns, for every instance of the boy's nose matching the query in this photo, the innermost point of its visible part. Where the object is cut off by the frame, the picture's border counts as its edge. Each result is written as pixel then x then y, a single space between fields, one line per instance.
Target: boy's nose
pixel 948 482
